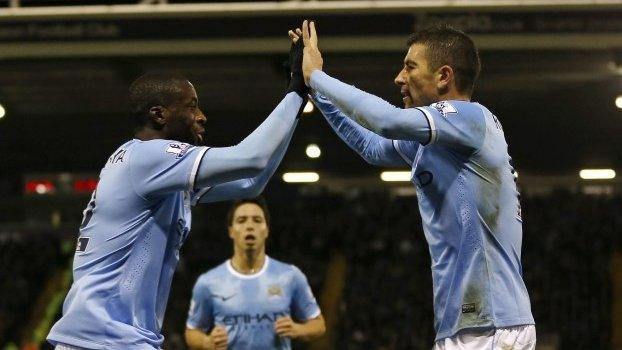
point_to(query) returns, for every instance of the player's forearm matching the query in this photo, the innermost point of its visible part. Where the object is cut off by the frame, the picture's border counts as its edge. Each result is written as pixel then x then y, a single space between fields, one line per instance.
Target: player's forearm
pixel 371 111
pixel 247 188
pixel 198 340
pixel 375 149
pixel 312 329
pixel 249 158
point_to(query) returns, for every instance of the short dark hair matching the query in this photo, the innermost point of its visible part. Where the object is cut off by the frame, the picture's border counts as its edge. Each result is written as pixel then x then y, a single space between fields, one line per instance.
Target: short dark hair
pixel 449 46
pixel 259 201
pixel 153 89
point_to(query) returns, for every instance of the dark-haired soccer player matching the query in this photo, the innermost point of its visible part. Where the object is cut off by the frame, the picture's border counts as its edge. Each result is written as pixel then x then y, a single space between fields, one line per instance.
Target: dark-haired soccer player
pixel 464 177
pixel 139 216
pixel 251 301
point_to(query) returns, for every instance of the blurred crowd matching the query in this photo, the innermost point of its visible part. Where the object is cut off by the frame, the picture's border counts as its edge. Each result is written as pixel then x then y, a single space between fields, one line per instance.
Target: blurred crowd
pixel 387 299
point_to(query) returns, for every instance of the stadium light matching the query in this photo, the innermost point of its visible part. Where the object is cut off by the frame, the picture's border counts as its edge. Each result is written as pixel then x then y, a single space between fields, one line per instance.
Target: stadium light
pixel 301 177
pixel 395 176
pixel 619 101
pixel 597 174
pixel 2 111
pixel 308 108
pixel 313 151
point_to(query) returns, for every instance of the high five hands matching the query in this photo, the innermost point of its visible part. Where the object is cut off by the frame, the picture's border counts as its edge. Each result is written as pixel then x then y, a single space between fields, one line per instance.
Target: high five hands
pixel 312 59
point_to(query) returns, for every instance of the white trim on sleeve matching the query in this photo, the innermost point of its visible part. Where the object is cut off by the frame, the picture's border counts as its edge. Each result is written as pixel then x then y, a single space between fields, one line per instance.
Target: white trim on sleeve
pixel 195 168
pixel 191 326
pixel 315 314
pixel 433 132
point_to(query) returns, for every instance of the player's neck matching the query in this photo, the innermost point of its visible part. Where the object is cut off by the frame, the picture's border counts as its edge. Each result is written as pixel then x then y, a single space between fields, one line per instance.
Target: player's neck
pixel 146 134
pixel 455 96
pixel 248 263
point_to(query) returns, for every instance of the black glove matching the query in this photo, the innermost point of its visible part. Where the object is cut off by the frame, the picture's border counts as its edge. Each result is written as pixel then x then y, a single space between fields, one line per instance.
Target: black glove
pixel 294 70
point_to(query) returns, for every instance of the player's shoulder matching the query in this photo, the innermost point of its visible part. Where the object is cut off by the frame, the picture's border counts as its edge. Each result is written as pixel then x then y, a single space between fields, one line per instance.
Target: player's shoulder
pixel 162 146
pixel 457 108
pixel 280 267
pixel 213 275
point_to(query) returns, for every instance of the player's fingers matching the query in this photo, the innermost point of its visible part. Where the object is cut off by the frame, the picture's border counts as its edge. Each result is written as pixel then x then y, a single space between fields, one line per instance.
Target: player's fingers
pixel 312 35
pixel 293 36
pixel 298 31
pixel 283 323
pixel 305 32
pixel 281 320
pixel 281 328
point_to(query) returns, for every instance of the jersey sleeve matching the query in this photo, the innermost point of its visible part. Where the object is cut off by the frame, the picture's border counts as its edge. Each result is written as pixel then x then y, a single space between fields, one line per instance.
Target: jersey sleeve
pixel 200 312
pixel 304 306
pixel 456 125
pixel 162 166
pixel 375 149
pixel 407 150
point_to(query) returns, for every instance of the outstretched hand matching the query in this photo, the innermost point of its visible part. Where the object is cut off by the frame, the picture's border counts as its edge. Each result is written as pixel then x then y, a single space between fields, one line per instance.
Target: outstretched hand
pixel 312 59
pixel 294 66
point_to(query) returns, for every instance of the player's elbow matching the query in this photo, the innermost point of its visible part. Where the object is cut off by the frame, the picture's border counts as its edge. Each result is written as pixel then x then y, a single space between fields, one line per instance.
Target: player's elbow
pixel 372 161
pixel 387 128
pixel 321 328
pixel 251 189
pixel 256 163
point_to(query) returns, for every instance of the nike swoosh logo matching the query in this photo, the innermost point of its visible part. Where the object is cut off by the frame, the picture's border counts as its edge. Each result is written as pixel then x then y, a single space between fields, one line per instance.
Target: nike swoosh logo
pixel 224 298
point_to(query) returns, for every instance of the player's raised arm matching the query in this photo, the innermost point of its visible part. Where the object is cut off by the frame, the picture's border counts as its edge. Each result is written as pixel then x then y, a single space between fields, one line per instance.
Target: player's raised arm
pixel 374 149
pixel 422 124
pixel 244 188
pixel 250 158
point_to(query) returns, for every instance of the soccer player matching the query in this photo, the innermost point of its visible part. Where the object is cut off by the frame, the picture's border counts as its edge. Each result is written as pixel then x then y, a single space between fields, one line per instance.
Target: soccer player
pixel 250 301
pixel 465 182
pixel 139 216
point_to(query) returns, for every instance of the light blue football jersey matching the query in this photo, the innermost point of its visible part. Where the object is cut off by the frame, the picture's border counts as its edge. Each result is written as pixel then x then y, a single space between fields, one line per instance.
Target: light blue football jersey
pixel 128 247
pixel 466 191
pixel 471 215
pixel 248 305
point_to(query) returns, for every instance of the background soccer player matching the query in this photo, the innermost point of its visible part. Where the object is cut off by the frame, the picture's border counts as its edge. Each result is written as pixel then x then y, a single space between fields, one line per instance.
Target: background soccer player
pixel 248 302
pixel 464 177
pixel 139 216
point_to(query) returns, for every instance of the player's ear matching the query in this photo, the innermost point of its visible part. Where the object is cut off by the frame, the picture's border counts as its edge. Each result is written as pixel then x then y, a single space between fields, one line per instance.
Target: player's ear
pixel 230 231
pixel 157 115
pixel 444 77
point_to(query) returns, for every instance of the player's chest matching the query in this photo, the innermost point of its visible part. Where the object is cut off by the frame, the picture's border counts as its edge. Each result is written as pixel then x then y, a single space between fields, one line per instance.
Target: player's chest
pixel 263 299
pixel 434 167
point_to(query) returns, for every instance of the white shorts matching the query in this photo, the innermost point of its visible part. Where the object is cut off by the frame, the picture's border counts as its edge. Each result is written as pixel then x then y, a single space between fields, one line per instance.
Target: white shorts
pixel 515 338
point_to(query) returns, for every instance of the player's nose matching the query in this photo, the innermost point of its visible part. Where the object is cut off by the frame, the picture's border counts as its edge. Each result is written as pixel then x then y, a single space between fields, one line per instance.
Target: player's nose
pixel 399 79
pixel 201 118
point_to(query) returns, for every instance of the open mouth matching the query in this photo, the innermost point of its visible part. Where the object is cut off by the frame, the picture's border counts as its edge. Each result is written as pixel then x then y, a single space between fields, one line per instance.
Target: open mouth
pixel 250 239
pixel 406 97
pixel 200 135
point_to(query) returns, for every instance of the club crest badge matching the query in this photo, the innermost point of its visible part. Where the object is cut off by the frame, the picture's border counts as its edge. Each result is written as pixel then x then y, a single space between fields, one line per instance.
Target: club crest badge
pixel 275 291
